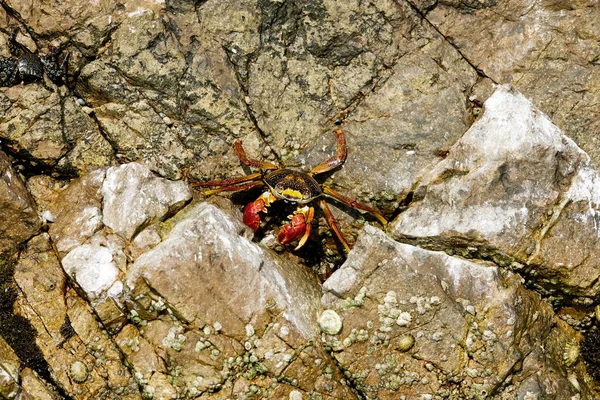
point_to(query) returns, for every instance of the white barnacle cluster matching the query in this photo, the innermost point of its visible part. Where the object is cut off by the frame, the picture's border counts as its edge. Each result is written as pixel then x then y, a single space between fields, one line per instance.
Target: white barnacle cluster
pixel 356 301
pixel 390 313
pixel 424 304
pixel 157 305
pixel 175 339
pixel 356 336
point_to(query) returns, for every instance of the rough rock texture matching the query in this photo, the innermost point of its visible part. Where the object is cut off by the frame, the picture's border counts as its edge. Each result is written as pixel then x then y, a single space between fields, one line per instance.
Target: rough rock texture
pixel 242 321
pixel 515 190
pixel 77 211
pixel 115 283
pixel 19 219
pixel 134 197
pixel 476 332
pixel 548 50
pixel 66 331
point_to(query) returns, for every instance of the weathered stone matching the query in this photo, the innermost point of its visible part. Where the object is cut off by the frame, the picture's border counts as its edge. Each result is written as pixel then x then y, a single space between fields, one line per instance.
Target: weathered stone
pixel 9 372
pixel 19 219
pixel 466 319
pixel 172 84
pixel 206 244
pixel 90 150
pixel 508 190
pixel 66 321
pixel 134 197
pixel 232 335
pixel 139 133
pixel 78 211
pixel 33 388
pixel 409 117
pixel 547 53
pixel 93 268
pixel 31 122
pixel 50 130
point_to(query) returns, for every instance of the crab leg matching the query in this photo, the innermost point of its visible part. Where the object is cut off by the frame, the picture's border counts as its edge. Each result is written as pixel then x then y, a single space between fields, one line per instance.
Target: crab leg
pixel 298 227
pixel 235 188
pixel 335 161
pixel 333 223
pixel 229 181
pixel 241 154
pixel 13 45
pixel 353 203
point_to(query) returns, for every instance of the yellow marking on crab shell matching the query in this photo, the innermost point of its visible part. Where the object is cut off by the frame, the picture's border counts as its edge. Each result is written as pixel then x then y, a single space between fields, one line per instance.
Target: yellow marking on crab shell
pixel 292 194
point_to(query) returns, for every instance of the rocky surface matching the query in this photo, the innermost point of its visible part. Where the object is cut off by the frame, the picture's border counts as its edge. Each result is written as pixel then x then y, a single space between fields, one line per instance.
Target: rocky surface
pixel 117 281
pixel 19 219
pixel 534 210
pixel 546 50
pixel 421 323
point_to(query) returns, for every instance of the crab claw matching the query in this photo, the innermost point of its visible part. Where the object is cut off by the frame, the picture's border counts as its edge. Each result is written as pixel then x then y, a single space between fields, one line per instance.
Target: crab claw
pixel 251 217
pixel 298 227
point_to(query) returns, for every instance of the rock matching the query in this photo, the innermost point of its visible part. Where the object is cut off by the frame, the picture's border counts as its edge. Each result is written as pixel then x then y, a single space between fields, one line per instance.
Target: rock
pixel 545 54
pixel 19 219
pixel 9 372
pixel 134 197
pixel 93 268
pixel 43 126
pixel 78 211
pixel 510 190
pixel 205 235
pixel 58 315
pixel 266 311
pixel 90 150
pixel 31 121
pixel 185 305
pixel 410 114
pixel 468 321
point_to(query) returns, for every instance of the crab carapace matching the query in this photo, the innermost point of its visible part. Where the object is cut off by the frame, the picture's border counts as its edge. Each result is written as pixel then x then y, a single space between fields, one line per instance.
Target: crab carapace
pixel 293 186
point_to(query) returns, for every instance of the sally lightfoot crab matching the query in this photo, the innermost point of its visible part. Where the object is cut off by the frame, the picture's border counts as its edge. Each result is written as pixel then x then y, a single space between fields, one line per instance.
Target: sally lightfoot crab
pixel 292 186
pixel 26 66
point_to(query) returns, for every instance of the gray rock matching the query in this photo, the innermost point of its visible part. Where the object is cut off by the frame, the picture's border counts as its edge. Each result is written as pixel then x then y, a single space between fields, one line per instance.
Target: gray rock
pixel 509 188
pixel 466 319
pixel 19 219
pixel 546 54
pixel 225 311
pixel 134 197
pixel 205 247
pixel 78 211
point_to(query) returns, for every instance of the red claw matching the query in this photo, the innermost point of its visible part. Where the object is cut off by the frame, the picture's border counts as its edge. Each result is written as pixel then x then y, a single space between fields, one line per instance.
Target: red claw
pixel 251 217
pixel 293 230
pixel 298 227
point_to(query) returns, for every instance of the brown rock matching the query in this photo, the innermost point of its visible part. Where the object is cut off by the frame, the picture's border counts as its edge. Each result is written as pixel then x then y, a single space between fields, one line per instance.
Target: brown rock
pixel 509 190
pixel 468 321
pixel 19 219
pixel 547 53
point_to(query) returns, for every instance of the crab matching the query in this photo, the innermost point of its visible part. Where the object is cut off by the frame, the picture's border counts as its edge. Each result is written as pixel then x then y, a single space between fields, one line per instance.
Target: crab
pixel 291 186
pixel 26 66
